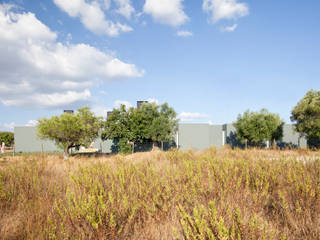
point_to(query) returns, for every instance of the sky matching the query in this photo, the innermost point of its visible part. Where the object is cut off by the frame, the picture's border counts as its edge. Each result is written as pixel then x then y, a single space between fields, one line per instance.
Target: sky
pixel 209 59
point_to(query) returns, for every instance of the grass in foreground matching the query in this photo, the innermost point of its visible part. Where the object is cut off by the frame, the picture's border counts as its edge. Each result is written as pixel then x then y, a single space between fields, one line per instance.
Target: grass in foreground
pixel 253 194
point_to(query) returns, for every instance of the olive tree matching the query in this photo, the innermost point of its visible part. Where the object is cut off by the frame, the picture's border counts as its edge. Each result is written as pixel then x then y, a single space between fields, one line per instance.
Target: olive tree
pixel 256 127
pixel 71 130
pixel 148 123
pixel 164 126
pixel 7 138
pixel 118 127
pixel 306 115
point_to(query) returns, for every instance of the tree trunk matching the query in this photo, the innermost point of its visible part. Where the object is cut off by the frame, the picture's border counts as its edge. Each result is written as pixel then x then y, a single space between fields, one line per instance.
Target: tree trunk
pixel 132 146
pixel 162 145
pixel 153 145
pixel 66 153
pixel 246 143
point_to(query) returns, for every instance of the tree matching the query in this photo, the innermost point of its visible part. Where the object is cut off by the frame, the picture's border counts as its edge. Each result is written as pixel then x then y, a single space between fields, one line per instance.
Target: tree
pixel 164 125
pixel 71 130
pixel 148 123
pixel 256 127
pixel 7 138
pixel 118 127
pixel 306 115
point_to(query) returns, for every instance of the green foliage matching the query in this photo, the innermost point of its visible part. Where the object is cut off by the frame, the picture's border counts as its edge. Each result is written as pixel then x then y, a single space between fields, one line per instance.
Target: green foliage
pixel 7 138
pixel 257 127
pixel 148 123
pixel 124 146
pixel 71 130
pixel 306 115
pixel 164 125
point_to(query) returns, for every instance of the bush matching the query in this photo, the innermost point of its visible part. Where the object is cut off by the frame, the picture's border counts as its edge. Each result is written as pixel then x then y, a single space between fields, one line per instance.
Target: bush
pixel 7 138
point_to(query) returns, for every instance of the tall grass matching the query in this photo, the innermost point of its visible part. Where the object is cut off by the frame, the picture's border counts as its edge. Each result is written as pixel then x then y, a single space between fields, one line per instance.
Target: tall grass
pixel 228 194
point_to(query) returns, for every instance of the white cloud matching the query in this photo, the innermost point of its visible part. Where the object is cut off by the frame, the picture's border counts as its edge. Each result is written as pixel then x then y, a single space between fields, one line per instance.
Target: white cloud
pixel 166 11
pixel 188 116
pixel 92 16
pixel 118 103
pixel 125 8
pixel 8 126
pixel 153 100
pixel 38 71
pixel 69 37
pixel 225 9
pixel 101 111
pixel 106 4
pixel 32 123
pixel 184 34
pixel 229 28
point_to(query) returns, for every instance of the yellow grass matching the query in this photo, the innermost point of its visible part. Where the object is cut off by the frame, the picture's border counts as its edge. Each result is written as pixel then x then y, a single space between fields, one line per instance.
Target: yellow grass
pixel 227 194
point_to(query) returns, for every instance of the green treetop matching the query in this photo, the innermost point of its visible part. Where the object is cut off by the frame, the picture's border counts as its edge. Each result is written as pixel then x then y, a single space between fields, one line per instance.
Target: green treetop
pixel 256 127
pixel 148 123
pixel 71 130
pixel 7 138
pixel 306 115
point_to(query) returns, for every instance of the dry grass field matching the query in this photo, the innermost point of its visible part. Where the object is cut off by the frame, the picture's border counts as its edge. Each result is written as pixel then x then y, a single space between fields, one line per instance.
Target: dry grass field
pixel 227 194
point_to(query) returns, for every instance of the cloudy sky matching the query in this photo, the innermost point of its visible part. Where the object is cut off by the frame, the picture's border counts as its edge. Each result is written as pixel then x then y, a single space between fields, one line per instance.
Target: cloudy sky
pixel 209 59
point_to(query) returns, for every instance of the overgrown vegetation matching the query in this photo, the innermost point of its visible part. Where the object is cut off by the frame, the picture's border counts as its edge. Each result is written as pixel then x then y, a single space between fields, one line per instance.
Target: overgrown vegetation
pixel 253 194
pixel 7 138
pixel 306 115
pixel 71 130
pixel 257 127
pixel 149 123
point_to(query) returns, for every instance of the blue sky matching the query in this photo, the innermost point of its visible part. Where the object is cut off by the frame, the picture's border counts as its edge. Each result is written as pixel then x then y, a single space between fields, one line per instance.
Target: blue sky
pixel 209 59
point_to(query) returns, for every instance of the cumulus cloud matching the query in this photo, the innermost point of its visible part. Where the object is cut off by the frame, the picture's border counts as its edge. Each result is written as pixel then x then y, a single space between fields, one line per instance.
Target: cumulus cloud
pixel 92 16
pixel 101 111
pixel 225 9
pixel 118 103
pixel 184 34
pixel 38 71
pixel 106 4
pixel 153 100
pixel 10 126
pixel 32 123
pixel 7 126
pixel 166 11
pixel 125 8
pixel 229 28
pixel 191 116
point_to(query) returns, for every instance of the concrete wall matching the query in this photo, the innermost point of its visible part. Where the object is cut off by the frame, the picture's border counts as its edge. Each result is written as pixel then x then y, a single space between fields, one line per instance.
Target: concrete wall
pixel 290 137
pixel 103 146
pixel 26 140
pixel 190 136
pixel 199 136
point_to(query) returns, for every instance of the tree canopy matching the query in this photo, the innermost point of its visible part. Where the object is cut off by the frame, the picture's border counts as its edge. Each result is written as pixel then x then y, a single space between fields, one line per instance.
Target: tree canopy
pixel 148 123
pixel 71 130
pixel 306 115
pixel 7 138
pixel 256 127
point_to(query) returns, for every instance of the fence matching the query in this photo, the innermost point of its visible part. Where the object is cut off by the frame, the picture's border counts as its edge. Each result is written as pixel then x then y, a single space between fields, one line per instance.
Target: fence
pixel 8 150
